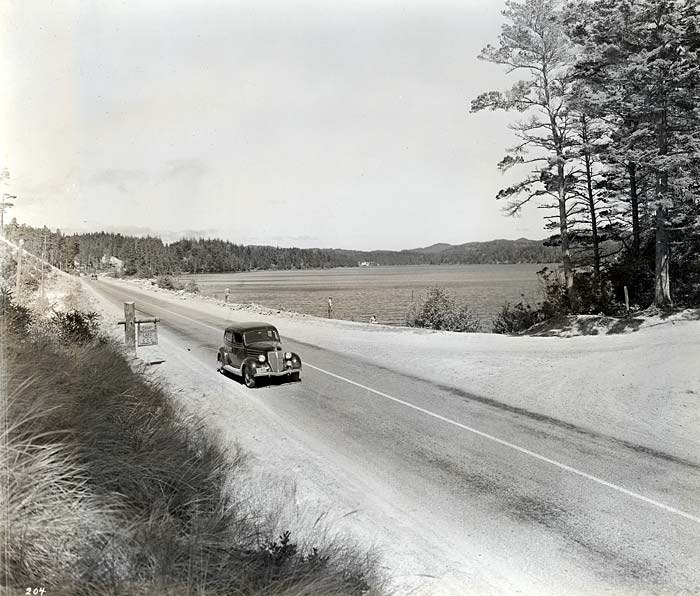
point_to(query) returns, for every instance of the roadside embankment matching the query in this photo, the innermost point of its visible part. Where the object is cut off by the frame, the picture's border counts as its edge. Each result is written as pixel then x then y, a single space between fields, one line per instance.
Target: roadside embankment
pixel 641 386
pixel 112 487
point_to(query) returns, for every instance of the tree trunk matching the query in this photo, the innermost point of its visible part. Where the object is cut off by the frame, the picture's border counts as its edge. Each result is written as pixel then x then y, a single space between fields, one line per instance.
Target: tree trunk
pixel 634 201
pixel 662 295
pixel 564 233
pixel 591 201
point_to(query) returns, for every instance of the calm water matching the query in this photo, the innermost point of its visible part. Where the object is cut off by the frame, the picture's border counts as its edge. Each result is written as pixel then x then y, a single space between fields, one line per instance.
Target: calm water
pixel 386 292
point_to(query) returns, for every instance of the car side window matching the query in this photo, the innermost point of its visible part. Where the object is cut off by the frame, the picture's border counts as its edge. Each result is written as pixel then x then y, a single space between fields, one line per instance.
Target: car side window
pixel 237 338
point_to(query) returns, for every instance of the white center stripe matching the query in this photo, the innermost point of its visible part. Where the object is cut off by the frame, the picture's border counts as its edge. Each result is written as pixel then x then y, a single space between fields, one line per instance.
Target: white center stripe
pixel 484 435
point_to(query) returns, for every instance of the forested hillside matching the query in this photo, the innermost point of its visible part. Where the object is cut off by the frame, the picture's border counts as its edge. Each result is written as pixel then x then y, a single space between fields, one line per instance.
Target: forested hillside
pixel 151 256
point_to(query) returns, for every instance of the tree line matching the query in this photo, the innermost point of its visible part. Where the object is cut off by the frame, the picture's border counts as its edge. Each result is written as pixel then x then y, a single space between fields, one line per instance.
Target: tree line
pixel 608 139
pixel 149 256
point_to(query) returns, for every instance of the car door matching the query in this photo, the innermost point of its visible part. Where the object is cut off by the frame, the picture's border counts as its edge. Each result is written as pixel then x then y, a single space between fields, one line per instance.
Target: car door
pixel 237 350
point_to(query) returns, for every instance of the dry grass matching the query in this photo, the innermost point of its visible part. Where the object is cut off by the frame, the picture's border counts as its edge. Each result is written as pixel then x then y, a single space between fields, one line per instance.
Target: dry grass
pixel 109 491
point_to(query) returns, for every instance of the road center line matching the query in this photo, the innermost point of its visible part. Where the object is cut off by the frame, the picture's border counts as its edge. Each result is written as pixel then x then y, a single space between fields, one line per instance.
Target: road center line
pixel 482 434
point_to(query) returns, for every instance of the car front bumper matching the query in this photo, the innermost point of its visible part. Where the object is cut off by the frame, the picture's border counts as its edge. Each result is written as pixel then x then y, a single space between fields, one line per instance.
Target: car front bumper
pixel 270 373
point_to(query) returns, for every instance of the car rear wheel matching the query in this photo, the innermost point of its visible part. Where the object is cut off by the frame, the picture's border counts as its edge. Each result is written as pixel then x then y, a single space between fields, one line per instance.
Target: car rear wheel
pixel 248 378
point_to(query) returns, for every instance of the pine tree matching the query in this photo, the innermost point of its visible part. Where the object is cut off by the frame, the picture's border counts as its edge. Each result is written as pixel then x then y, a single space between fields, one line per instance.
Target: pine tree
pixel 533 42
pixel 641 58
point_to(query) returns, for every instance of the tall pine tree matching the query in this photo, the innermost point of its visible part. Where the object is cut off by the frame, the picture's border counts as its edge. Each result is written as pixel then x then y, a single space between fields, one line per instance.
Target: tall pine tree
pixel 533 42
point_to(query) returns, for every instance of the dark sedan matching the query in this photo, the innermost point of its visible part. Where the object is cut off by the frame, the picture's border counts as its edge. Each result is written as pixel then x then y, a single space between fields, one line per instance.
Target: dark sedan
pixel 254 351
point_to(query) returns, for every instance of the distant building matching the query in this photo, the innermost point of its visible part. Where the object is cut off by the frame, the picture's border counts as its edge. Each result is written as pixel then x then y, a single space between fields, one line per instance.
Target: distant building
pixel 112 263
pixel 367 264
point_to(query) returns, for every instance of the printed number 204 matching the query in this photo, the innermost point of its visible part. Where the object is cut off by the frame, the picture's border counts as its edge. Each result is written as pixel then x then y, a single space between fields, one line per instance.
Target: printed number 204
pixel 34 591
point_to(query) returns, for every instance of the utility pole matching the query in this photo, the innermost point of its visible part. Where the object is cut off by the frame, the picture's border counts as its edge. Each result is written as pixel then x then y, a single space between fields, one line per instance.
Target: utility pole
pixel 3 205
pixel 19 268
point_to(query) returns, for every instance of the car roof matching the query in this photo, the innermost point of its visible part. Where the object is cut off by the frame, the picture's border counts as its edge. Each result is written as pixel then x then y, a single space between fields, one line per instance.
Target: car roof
pixel 243 327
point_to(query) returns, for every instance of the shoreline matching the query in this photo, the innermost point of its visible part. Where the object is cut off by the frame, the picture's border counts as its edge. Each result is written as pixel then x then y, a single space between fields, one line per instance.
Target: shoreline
pixel 566 326
pixel 388 293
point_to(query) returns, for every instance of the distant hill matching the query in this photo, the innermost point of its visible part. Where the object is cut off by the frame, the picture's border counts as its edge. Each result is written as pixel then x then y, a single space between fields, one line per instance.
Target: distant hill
pixel 432 249
pixel 521 250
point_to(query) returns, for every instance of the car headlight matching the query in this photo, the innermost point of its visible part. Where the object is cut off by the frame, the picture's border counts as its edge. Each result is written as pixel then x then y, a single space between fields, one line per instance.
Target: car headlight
pixel 261 358
pixel 288 355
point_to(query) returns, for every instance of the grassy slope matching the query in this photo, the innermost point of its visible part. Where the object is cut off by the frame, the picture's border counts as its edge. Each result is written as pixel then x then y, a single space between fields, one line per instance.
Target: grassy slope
pixel 111 492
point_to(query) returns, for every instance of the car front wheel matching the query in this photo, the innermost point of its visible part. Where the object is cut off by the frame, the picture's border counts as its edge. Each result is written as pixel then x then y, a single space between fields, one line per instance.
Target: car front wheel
pixel 248 378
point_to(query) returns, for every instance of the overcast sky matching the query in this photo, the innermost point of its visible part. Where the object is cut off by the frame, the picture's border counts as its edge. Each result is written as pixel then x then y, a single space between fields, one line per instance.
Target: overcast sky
pixel 342 124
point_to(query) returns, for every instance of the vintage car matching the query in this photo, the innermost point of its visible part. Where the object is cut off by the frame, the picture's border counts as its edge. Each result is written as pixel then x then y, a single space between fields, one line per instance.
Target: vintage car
pixel 254 351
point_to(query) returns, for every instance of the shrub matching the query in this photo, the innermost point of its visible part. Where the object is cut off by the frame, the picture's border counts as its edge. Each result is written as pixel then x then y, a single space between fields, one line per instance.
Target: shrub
pixel 555 298
pixel 168 282
pixel 191 286
pixel 440 311
pixel 71 327
pixel 515 319
pixel 15 317
pixel 594 297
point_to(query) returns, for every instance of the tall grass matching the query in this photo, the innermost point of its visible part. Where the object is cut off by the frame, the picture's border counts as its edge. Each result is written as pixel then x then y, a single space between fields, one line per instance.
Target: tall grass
pixel 109 490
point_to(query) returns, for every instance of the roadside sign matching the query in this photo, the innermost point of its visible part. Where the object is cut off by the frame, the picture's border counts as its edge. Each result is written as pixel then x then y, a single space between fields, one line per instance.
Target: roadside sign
pixel 148 334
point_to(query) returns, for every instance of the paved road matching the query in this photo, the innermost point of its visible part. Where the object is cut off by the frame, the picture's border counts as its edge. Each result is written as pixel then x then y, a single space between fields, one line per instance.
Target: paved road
pixel 540 505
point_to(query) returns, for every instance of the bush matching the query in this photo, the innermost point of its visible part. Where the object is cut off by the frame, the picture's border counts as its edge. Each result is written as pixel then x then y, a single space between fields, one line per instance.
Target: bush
pixel 168 282
pixel 72 327
pixel 515 319
pixel 191 286
pixel 594 297
pixel 440 311
pixel 15 318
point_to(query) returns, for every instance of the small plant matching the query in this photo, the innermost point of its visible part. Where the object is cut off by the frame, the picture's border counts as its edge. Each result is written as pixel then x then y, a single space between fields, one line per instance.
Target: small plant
pixel 440 311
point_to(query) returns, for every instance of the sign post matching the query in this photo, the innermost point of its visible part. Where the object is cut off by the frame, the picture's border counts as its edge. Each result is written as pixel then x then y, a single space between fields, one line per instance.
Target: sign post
pixel 130 326
pixel 141 332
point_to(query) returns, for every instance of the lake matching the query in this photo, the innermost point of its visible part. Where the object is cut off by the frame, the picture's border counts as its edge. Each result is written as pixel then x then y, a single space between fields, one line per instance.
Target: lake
pixel 386 292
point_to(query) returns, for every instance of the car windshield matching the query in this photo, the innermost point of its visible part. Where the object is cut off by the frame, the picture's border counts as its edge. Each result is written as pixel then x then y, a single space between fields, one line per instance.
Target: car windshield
pixel 268 334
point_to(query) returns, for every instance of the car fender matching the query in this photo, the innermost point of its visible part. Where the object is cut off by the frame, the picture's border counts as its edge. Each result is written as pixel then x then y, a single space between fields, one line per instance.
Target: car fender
pixel 248 361
pixel 298 358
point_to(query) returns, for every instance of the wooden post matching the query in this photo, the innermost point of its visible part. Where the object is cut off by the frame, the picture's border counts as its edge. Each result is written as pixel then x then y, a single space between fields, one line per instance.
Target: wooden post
pixel 130 326
pixel 627 299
